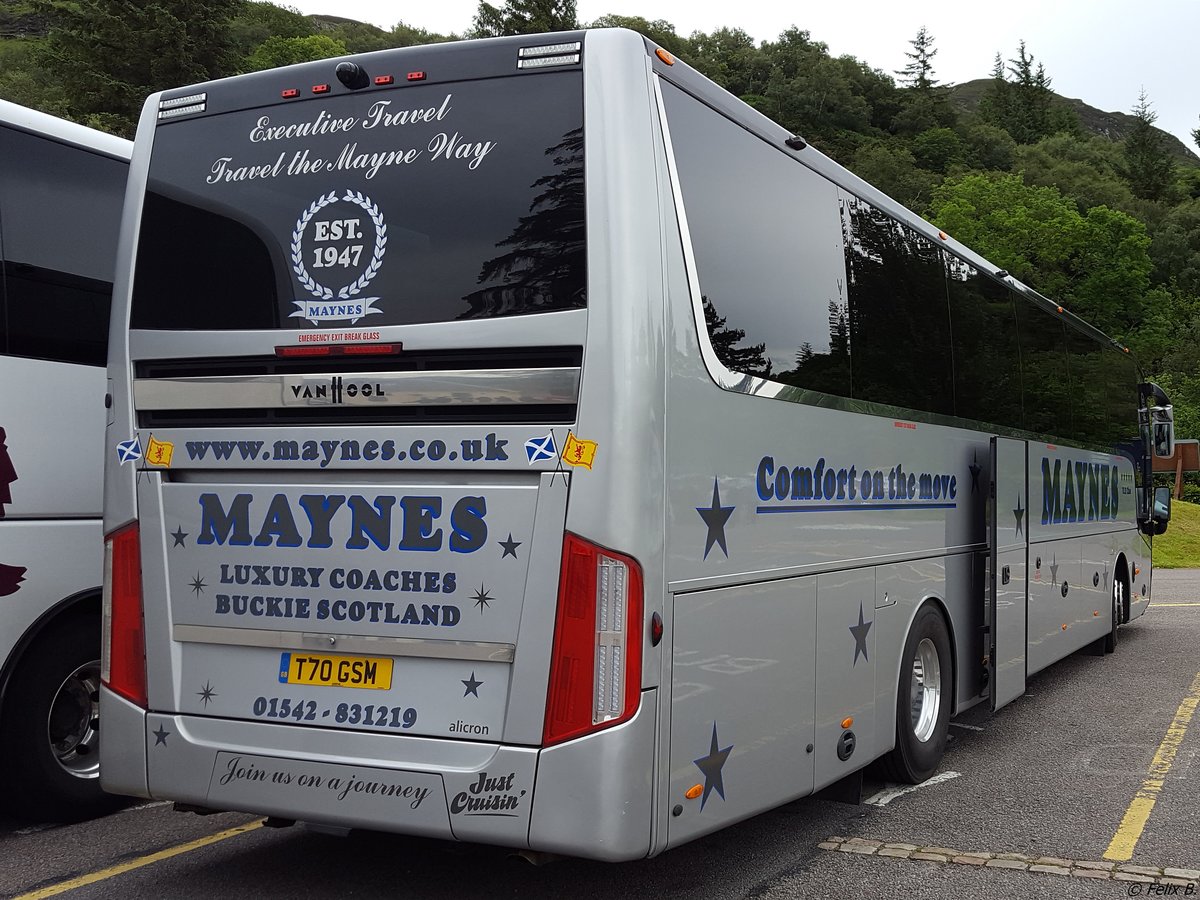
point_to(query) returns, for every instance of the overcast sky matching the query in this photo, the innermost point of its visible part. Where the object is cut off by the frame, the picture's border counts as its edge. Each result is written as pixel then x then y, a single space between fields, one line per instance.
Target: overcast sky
pixel 1100 51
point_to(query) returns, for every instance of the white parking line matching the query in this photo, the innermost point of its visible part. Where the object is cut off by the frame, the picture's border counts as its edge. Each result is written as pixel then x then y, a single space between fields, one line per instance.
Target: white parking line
pixel 890 793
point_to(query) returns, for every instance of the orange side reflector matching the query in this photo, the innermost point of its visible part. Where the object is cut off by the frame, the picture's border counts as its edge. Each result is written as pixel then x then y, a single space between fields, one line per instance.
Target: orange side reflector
pixel 847 722
pixel 694 791
pixel 665 56
pixel 1137 570
pixel 1064 626
pixel 1095 612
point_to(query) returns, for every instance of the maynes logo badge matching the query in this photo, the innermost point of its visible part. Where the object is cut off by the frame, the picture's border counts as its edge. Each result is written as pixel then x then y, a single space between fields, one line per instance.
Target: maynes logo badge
pixel 1078 491
pixel 336 390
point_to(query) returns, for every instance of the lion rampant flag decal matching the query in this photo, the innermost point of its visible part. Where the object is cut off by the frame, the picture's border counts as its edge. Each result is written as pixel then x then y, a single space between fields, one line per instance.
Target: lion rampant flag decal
pixel 158 453
pixel 579 453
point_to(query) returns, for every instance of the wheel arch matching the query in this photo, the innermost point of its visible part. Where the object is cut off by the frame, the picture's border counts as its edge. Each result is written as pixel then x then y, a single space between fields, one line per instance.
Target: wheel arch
pixel 80 604
pixel 1121 570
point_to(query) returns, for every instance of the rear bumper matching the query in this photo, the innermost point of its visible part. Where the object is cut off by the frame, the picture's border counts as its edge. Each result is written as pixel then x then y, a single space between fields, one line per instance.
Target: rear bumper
pixel 594 794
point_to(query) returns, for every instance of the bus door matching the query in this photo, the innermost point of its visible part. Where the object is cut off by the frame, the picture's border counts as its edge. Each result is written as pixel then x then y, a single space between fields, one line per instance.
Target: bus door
pixel 1008 585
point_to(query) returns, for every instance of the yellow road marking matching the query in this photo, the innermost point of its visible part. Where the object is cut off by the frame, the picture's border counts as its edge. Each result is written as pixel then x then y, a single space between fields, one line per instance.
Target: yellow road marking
pixel 1129 831
pixel 92 877
pixel 1155 605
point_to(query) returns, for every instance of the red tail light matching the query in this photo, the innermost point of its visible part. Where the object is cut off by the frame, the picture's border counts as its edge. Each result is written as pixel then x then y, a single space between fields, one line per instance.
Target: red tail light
pixel 596 666
pixel 123 668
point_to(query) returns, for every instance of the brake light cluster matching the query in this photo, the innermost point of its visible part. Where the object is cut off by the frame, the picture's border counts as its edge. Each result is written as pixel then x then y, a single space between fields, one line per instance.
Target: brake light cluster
pixel 123 643
pixel 596 663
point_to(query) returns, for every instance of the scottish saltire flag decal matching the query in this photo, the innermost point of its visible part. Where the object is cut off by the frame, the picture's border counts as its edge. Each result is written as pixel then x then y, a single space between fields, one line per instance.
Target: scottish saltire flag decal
pixel 129 451
pixel 537 449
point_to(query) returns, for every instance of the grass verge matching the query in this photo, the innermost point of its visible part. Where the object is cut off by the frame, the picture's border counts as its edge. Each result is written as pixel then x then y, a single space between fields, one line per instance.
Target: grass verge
pixel 1179 547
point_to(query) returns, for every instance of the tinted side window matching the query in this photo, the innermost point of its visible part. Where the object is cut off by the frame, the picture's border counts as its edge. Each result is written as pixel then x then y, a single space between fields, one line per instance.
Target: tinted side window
pixel 1121 399
pixel 1045 376
pixel 987 355
pixel 1089 361
pixel 767 242
pixel 899 318
pixel 60 209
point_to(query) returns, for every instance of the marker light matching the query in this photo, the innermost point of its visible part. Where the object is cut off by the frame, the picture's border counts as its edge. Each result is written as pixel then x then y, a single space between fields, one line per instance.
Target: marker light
pixel 847 722
pixel 290 93
pixel 320 89
pixel 416 76
pixel 384 79
pixel 664 56
pixel 306 350
pixel 694 791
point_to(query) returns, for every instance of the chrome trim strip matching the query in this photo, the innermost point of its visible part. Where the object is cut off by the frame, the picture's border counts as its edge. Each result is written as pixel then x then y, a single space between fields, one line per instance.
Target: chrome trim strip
pixel 449 388
pixel 420 648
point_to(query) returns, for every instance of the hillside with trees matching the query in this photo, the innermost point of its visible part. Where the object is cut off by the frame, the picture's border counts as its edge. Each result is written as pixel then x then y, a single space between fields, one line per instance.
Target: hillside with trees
pixel 1099 210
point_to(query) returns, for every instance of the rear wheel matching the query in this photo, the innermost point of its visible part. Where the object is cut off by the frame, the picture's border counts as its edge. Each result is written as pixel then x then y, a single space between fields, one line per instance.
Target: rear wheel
pixel 923 701
pixel 50 729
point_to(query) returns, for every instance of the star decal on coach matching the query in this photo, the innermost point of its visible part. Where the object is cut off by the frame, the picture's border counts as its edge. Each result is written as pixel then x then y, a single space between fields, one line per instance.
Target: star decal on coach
pixel 711 766
pixel 1019 512
pixel 482 598
pixel 197 585
pixel 207 693
pixel 715 517
pixel 860 636
pixel 510 546
pixel 472 686
pixel 975 468
pixel 179 536
pixel 160 736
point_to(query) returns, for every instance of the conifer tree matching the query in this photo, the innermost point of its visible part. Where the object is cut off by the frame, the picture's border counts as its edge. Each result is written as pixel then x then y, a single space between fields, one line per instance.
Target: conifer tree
pixel 1148 166
pixel 523 17
pixel 918 73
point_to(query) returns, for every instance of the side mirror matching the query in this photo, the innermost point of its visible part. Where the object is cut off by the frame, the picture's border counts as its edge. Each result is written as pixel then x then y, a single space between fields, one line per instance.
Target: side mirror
pixel 1159 415
pixel 1161 513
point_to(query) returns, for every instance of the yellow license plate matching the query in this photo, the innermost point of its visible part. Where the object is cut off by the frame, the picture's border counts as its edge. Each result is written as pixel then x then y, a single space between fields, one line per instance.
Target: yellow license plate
pixel 329 670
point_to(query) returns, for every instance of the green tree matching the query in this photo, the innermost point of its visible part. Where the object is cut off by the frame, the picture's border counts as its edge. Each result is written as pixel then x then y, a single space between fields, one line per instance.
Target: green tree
pixel 937 149
pixel 407 36
pixel 111 53
pixel 1148 167
pixel 660 31
pixel 729 57
pixel 523 17
pixel 925 104
pixel 1196 136
pixel 1085 169
pixel 988 147
pixel 281 51
pixel 255 22
pixel 918 73
pixel 890 166
pixel 1096 265
pixel 1024 105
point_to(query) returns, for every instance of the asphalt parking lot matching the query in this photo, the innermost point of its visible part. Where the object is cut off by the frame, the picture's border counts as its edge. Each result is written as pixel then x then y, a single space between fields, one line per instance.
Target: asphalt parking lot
pixel 1093 769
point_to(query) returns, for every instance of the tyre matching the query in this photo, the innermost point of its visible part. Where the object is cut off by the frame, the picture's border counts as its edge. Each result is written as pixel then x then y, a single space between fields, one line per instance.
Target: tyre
pixel 49 730
pixel 1118 604
pixel 923 700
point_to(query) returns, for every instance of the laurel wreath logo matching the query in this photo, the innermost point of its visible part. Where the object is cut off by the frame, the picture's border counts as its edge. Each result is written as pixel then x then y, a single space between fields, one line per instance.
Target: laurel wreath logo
pixel 306 280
